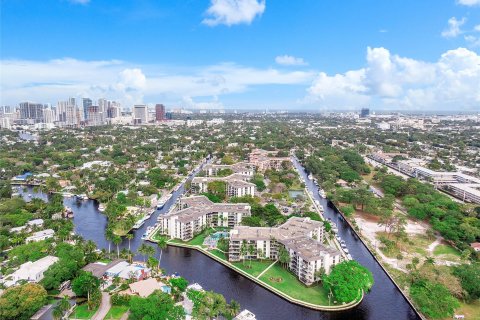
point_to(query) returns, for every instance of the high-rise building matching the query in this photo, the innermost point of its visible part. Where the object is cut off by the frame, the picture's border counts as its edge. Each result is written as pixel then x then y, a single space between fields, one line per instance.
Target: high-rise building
pixel 86 104
pixel 364 113
pixel 159 112
pixel 169 115
pixel 31 111
pixel 94 118
pixel 67 113
pixel 48 115
pixel 114 110
pixel 140 114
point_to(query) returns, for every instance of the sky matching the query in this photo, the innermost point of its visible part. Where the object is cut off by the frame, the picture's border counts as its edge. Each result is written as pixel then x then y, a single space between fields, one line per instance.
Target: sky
pixel 325 55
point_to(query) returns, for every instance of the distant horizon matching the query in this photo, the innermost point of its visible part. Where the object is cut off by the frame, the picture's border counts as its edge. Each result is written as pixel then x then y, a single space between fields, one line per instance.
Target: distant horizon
pixel 245 54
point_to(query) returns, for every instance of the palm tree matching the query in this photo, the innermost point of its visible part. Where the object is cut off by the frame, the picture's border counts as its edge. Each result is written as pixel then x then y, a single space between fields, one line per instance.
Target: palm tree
pixel 109 236
pixel 129 236
pixel 143 250
pixel 251 251
pixel 243 250
pixel 117 240
pixel 162 244
pixel 430 260
pixel 150 251
pixel 234 308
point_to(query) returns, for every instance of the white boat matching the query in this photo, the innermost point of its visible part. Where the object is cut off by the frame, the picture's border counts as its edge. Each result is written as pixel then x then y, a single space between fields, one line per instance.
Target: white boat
pixel 101 207
pixel 310 177
pixel 139 223
pixel 320 207
pixel 68 213
pixel 345 250
pixel 144 236
pixel 349 257
pixel 322 193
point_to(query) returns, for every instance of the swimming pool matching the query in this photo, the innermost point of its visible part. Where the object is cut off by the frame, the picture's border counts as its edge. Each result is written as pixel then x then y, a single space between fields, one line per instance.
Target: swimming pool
pixel 220 234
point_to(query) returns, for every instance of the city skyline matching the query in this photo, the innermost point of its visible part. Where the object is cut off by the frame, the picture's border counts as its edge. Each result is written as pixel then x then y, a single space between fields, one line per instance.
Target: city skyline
pixel 244 55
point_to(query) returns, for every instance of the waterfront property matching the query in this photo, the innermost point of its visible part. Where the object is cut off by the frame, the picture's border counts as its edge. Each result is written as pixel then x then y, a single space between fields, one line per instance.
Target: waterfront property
pixel 237 185
pixel 196 213
pixel 302 238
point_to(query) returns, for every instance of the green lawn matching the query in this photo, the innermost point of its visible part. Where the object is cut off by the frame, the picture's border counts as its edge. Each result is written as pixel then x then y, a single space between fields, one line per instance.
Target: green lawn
pixel 290 285
pixel 443 249
pixel 199 238
pixel 82 312
pixel 254 267
pixel 219 254
pixel 116 312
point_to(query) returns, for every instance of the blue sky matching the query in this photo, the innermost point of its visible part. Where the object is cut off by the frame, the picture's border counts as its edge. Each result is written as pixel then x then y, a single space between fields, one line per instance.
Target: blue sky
pixel 305 54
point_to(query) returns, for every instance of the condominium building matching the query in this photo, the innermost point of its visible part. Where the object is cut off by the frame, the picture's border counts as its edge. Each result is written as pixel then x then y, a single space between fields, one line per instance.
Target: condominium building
pixel 237 185
pixel 31 112
pixel 242 168
pixel 265 160
pixel 67 113
pixel 194 214
pixel 302 238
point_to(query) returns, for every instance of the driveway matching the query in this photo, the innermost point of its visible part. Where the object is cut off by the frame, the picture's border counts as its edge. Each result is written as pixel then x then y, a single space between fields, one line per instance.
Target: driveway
pixel 104 307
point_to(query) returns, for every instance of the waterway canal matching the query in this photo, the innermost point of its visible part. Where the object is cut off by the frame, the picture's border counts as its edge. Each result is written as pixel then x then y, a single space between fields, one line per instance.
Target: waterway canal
pixel 384 301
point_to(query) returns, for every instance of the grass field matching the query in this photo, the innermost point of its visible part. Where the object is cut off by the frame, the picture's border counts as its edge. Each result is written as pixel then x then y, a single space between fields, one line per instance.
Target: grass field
pixel 116 312
pixel 443 249
pixel 253 267
pixel 219 254
pixel 82 312
pixel 290 285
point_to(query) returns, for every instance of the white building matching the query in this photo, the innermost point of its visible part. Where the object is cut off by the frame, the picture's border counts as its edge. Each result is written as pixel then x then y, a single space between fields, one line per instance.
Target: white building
pixel 243 168
pixel 237 185
pixel 140 114
pixel 302 238
pixel 30 271
pixel 40 235
pixel 196 213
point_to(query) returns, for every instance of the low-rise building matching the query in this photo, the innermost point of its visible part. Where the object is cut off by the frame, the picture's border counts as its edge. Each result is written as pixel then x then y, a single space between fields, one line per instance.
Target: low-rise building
pixel 40 235
pixel 243 168
pixel 265 160
pixel 237 185
pixel 302 238
pixel 30 271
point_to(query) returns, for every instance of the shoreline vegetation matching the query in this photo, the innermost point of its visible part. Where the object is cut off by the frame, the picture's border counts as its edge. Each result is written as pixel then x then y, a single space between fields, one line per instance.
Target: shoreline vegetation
pixel 288 283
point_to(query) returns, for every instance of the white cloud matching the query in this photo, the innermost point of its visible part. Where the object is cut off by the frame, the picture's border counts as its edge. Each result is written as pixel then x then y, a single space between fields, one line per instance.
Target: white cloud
pixel 287 60
pixel 472 41
pixel 469 2
pixel 454 26
pixel 55 80
pixel 477 28
pixel 391 81
pixel 230 12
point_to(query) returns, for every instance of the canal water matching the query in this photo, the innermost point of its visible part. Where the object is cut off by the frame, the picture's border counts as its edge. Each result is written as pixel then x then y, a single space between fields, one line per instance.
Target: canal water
pixel 384 301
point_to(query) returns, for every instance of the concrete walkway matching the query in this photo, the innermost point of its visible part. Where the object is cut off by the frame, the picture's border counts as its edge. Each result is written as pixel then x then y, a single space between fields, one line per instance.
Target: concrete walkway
pixel 261 274
pixel 104 307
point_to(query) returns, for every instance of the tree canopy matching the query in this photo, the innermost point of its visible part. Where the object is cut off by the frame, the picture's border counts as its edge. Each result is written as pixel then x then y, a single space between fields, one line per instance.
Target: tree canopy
pixel 347 280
